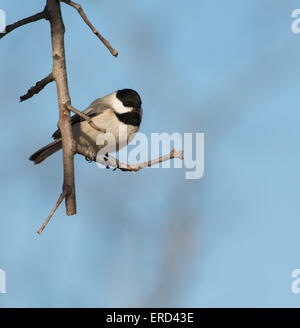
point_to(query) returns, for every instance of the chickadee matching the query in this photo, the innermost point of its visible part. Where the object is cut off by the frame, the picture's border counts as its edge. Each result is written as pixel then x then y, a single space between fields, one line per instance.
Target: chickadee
pixel 119 113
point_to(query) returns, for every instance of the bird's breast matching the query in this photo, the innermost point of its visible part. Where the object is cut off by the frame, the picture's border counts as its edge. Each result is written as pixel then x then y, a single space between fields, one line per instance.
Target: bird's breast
pixel 118 134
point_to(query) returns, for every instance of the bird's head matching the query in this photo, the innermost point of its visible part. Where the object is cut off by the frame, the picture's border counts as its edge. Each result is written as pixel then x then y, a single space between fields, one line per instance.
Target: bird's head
pixel 126 100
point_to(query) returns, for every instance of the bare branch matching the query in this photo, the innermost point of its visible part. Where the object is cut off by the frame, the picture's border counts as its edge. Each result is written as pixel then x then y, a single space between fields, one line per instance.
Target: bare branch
pixel 42 15
pixel 60 199
pixel 112 162
pixel 90 25
pixel 60 75
pixel 86 118
pixel 38 87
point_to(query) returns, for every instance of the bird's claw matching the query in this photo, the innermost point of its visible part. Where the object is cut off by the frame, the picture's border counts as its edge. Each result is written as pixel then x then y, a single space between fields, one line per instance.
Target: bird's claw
pixel 106 159
pixel 94 158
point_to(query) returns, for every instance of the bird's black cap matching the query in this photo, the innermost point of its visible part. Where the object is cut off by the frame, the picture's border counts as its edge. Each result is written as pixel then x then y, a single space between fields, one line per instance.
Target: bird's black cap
pixel 129 98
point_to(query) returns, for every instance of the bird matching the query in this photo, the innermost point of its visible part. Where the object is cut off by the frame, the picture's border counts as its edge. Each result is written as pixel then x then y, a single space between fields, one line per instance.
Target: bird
pixel 119 113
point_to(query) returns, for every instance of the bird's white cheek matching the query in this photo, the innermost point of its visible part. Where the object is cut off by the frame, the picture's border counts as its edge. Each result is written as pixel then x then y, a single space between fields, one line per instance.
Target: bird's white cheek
pixel 119 107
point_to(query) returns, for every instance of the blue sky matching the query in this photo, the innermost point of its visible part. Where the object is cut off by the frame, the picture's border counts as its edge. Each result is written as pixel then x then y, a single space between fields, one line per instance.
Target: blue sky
pixel 227 69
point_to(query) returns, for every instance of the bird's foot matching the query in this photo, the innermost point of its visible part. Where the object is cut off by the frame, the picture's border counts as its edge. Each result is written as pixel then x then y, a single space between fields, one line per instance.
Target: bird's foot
pixel 106 160
pixel 93 159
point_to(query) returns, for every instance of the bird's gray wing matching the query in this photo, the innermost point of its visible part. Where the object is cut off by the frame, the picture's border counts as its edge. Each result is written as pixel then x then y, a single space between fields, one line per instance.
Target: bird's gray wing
pixel 96 107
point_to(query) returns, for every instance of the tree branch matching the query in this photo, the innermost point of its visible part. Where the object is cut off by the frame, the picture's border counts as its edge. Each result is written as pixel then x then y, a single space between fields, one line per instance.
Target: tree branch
pixel 42 15
pixel 90 25
pixel 112 162
pixel 60 199
pixel 38 87
pixel 60 75
pixel 86 118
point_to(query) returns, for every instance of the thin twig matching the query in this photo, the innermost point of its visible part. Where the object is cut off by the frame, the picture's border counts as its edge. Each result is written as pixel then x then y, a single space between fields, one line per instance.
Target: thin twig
pixel 41 15
pixel 60 199
pixel 91 26
pixel 38 87
pixel 112 162
pixel 85 117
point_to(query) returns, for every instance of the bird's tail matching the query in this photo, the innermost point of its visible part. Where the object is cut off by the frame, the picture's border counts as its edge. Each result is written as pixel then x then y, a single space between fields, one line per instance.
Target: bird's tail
pixel 46 151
